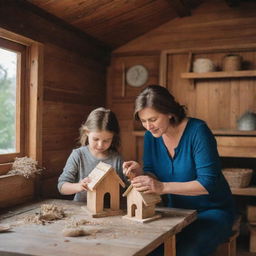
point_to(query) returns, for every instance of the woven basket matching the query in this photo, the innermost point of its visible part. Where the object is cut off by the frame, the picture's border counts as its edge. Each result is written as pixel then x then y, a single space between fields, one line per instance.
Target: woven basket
pixel 238 178
pixel 232 62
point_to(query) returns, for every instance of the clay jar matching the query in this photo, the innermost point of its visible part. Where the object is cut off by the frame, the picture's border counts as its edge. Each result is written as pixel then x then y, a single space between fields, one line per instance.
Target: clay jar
pixel 247 122
pixel 202 65
pixel 232 62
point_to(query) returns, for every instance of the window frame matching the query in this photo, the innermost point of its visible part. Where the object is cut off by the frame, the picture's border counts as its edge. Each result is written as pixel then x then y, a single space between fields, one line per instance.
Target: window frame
pixel 20 99
pixel 31 106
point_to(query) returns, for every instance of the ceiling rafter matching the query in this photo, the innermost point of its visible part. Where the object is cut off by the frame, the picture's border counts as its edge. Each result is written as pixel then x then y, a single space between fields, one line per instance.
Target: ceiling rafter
pixel 181 8
pixel 233 3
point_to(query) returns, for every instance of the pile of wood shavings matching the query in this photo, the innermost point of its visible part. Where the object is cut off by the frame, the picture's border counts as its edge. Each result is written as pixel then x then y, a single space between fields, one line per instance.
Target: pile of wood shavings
pixel 73 223
pixel 73 232
pixel 52 212
pixel 25 166
pixel 74 228
pixel 48 213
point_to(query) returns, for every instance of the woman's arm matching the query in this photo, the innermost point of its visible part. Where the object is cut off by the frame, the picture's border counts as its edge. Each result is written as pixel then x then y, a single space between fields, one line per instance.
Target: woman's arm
pixel 148 184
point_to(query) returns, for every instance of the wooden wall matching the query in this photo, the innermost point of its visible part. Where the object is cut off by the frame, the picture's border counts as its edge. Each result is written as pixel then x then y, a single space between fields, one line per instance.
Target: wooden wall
pixel 74 81
pixel 213 25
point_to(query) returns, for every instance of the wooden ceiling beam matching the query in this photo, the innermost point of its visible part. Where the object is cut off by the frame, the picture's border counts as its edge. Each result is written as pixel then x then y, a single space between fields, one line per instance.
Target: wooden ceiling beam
pixel 180 7
pixel 233 3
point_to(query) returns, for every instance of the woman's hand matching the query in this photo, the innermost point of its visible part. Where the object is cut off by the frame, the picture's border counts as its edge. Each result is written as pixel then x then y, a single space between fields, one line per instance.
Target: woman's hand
pixel 132 169
pixel 147 184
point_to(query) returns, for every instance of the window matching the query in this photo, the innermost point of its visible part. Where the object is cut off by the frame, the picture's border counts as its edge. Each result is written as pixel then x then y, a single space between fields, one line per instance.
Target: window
pixel 12 98
pixel 21 61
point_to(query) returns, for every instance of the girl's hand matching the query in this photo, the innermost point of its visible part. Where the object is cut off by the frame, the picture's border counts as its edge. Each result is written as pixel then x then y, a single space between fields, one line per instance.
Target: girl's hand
pixel 147 185
pixel 132 169
pixel 82 185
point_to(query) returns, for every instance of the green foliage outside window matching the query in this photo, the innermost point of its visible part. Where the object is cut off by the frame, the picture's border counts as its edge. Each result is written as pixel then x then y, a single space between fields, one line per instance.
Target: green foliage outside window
pixel 7 112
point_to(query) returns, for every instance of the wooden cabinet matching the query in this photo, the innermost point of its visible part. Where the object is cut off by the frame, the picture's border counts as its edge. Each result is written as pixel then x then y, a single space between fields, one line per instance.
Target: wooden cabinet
pixel 236 146
pixel 220 98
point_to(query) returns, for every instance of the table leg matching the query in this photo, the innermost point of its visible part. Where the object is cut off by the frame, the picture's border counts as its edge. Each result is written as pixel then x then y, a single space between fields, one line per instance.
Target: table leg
pixel 170 246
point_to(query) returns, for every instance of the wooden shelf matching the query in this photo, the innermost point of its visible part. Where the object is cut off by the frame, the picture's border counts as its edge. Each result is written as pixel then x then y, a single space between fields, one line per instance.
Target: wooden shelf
pixel 223 132
pixel 219 74
pixel 249 191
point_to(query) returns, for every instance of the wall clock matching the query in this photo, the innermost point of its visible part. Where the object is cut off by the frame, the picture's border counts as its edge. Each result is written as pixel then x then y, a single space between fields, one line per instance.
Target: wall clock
pixel 136 76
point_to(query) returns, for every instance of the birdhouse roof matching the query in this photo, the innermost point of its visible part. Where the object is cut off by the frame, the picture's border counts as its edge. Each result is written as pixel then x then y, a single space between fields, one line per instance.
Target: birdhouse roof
pixel 101 171
pixel 148 199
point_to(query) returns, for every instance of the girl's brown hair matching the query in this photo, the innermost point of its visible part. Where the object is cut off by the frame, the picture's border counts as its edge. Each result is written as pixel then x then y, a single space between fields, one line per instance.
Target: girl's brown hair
pixel 160 99
pixel 101 119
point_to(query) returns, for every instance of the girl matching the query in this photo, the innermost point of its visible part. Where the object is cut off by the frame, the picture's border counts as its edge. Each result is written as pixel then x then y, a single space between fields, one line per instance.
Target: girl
pixel 99 139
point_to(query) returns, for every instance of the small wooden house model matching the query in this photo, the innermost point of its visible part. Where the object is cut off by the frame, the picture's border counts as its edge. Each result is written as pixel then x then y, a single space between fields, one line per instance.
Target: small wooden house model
pixel 141 206
pixel 103 195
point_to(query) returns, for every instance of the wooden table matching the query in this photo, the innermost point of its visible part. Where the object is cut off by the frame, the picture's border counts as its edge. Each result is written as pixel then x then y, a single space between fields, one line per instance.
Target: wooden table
pixel 108 236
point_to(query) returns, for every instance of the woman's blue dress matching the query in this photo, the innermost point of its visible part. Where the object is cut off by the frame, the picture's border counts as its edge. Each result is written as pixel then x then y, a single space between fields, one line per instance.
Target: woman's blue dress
pixel 196 158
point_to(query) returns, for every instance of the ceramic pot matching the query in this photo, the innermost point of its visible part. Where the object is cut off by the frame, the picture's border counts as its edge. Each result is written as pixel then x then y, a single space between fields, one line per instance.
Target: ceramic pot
pixel 202 65
pixel 247 122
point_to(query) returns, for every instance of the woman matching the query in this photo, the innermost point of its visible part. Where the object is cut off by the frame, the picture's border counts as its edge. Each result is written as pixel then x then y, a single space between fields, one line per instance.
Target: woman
pixel 181 160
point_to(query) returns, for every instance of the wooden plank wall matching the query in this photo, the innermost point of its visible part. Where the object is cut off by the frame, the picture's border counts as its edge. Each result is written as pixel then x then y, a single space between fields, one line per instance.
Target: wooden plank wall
pixel 121 96
pixel 220 102
pixel 213 25
pixel 74 83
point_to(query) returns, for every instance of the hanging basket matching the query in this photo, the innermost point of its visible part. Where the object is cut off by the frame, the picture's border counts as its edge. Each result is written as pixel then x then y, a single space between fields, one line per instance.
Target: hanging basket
pixel 238 178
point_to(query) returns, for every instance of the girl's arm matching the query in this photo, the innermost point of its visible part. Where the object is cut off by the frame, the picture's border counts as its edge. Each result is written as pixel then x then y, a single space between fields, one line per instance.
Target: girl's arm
pixel 69 188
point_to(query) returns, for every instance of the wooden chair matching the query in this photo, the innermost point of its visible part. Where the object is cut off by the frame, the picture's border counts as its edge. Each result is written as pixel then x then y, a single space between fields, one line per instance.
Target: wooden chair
pixel 228 248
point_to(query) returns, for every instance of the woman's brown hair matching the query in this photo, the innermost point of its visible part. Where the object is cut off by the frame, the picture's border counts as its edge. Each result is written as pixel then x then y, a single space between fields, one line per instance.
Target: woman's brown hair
pixel 160 99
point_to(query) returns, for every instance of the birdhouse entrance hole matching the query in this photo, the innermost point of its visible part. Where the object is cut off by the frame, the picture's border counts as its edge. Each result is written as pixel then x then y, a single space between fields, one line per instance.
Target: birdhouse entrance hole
pixel 133 209
pixel 107 201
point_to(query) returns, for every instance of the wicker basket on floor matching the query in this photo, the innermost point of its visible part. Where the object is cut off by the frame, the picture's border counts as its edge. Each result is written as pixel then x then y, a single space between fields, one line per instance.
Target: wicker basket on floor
pixel 237 177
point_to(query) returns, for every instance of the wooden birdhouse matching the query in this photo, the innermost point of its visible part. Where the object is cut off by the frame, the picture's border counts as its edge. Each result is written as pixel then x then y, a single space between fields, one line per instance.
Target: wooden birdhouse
pixel 141 206
pixel 103 195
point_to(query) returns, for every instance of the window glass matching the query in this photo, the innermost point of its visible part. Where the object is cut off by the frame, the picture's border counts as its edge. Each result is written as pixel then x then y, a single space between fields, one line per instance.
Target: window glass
pixel 8 105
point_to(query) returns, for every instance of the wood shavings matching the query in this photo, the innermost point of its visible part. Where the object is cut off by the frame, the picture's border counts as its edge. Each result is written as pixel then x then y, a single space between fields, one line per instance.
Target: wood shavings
pixel 48 212
pixel 25 166
pixel 73 232
pixel 33 219
pixel 73 228
pixel 80 231
pixel 51 212
pixel 4 228
pixel 73 223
